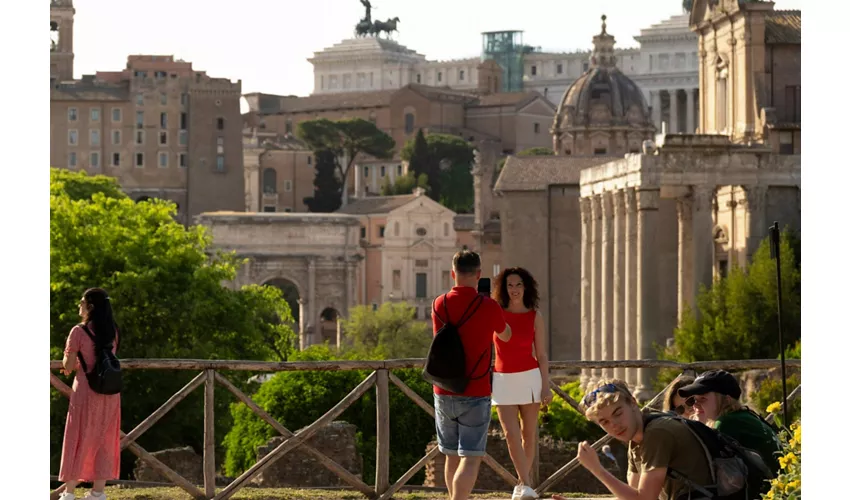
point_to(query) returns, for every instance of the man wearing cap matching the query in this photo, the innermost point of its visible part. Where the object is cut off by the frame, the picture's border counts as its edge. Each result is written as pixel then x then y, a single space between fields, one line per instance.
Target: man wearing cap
pixel 714 395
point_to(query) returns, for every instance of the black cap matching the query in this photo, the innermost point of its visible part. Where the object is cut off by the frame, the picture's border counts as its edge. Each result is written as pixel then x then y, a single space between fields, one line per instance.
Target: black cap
pixel 719 381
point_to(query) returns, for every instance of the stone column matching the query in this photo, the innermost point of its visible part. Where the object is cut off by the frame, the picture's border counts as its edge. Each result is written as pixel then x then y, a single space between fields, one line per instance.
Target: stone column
pixel 347 292
pixel 684 208
pixel 703 239
pixel 674 111
pixel 656 110
pixel 586 309
pixel 689 108
pixel 312 323
pixel 647 285
pixel 757 224
pixel 631 291
pixel 607 289
pixel 302 323
pixel 596 284
pixel 358 181
pixel 619 281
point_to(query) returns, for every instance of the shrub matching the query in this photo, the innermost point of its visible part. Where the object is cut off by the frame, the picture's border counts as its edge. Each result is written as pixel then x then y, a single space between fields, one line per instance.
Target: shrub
pixel 787 485
pixel 771 390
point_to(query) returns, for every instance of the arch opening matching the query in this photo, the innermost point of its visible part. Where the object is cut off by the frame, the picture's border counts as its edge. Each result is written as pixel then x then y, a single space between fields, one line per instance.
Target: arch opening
pixel 290 294
pixel 328 320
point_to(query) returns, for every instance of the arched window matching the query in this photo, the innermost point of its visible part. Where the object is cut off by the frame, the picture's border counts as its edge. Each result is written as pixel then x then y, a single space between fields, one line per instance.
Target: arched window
pixel 269 181
pixel 408 123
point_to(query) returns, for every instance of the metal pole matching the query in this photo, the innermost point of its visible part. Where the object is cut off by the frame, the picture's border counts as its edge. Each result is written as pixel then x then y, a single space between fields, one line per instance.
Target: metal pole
pixel 774 251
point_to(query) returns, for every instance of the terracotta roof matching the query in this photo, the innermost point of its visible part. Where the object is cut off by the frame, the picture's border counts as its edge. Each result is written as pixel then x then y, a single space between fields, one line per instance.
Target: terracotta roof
pixel 90 91
pixel 783 26
pixel 464 222
pixel 345 100
pixel 536 173
pixel 376 205
pixel 516 99
pixel 430 92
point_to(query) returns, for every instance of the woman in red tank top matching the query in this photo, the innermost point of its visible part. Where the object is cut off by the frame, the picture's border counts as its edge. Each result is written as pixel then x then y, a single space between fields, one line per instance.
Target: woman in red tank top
pixel 521 374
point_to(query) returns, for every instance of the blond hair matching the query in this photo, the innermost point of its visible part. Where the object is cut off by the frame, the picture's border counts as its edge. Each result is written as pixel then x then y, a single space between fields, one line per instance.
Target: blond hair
pixel 726 404
pixel 605 393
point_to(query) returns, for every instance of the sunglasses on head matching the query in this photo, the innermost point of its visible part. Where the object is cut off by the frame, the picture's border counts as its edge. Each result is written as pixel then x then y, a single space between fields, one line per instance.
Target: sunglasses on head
pixel 590 398
pixel 690 402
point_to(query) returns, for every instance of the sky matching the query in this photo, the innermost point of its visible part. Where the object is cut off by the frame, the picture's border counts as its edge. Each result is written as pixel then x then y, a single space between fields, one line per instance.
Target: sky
pixel 266 43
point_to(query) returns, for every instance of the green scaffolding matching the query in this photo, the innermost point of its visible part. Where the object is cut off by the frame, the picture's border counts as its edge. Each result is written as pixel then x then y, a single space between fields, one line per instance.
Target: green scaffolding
pixel 507 49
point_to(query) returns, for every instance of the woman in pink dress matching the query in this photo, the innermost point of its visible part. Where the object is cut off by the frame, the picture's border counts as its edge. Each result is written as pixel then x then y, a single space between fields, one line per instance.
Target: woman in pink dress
pixel 91 449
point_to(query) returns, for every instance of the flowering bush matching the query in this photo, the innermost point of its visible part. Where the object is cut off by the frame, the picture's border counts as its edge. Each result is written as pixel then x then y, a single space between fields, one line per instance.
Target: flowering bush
pixel 787 483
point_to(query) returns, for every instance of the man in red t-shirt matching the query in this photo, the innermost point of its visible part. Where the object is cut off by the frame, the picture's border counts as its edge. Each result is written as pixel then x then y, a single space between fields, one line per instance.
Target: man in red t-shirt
pixel 463 419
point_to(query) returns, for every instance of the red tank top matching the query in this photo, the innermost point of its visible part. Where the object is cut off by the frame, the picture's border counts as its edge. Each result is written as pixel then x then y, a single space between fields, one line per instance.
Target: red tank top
pixel 516 355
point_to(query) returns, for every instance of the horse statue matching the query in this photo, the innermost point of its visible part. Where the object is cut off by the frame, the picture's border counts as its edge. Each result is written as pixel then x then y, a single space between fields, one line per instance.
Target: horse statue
pixel 363 28
pixel 388 27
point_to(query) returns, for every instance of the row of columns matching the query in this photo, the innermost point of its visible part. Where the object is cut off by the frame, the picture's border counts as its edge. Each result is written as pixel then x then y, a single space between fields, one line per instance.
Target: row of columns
pixel 673 123
pixel 619 275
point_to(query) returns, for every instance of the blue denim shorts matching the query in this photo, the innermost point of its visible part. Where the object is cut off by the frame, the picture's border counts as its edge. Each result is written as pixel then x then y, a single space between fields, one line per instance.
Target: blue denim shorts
pixel 462 424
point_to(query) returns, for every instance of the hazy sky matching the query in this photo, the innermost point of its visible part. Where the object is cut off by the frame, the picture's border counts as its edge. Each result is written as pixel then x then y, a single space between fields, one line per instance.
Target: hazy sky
pixel 266 43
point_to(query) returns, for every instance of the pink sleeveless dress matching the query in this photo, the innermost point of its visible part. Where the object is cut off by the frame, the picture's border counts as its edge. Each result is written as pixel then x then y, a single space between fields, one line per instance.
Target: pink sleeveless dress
pixel 91 448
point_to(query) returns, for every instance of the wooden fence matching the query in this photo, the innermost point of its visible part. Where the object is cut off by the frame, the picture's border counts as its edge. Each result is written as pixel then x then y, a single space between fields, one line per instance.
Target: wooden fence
pixel 381 377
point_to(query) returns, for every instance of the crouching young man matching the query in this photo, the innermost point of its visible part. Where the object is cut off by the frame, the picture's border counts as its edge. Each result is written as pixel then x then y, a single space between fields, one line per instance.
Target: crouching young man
pixel 663 444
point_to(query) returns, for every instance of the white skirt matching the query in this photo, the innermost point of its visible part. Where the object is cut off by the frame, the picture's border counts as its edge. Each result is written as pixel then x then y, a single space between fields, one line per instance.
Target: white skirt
pixel 519 388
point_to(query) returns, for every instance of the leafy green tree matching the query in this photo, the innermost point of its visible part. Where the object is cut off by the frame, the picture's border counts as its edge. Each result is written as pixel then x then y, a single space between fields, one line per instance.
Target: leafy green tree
pixel 404 184
pixel 418 156
pixel 448 164
pixel 348 140
pixel 390 332
pixel 327 188
pixel 165 283
pixel 738 316
pixel 536 151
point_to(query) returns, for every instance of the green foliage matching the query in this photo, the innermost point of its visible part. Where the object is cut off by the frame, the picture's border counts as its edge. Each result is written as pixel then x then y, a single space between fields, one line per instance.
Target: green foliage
pixel 168 299
pixel 738 313
pixel 327 188
pixel 404 184
pixel 536 151
pixel 771 391
pixel 446 159
pixel 297 399
pixel 390 332
pixel 788 483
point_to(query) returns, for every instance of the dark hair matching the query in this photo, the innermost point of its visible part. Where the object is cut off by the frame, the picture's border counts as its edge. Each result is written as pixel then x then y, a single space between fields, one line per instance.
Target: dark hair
pixel 466 262
pixel 671 393
pixel 100 315
pixel 530 298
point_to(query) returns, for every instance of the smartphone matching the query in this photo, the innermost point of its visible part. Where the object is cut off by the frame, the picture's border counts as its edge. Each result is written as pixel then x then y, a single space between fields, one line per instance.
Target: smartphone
pixel 484 286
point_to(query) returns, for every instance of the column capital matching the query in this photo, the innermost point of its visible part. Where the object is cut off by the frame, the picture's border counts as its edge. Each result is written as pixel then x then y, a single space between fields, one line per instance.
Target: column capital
pixel 648 199
pixel 703 196
pixel 690 91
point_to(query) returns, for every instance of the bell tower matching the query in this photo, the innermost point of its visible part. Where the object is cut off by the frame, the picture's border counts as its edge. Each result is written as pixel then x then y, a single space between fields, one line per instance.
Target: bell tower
pixel 61 40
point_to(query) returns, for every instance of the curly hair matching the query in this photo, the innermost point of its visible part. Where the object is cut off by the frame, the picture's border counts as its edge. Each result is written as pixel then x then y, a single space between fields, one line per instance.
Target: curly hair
pixel 530 298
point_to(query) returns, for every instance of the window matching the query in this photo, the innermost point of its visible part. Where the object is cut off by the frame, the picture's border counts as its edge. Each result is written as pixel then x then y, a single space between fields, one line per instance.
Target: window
pixel 792 103
pixel 163 99
pixel 116 115
pixel 219 163
pixel 269 181
pixel 163 138
pixel 140 100
pixel 309 160
pixel 269 208
pixel 585 66
pixel 396 228
pixel 184 120
pixel 72 114
pixel 94 114
pixel 362 233
pixel 184 99
pixel 140 137
pixel 72 137
pixel 287 185
pixel 496 269
pixel 461 75
pixel 140 160
pixel 220 123
pixel 219 145
pixel 163 120
pixel 418 78
pixel 559 69
pixel 723 268
pixel 786 143
pixel 140 119
pixel 408 123
pixel 116 159
pixel 398 169
pixel 439 76
pixel 72 159
pixel 183 137
pixel 288 126
pixel 383 171
pixel 421 285
pixel 536 128
pixel 94 159
pixel 445 229
pixel 163 159
pixel 116 137
pixel 396 279
pixel 366 171
pixel 94 137
pixel 600 151
pixel 182 160
pixel 720 110
pixel 381 231
pixel 533 70
pixel 421 231
pixel 447 280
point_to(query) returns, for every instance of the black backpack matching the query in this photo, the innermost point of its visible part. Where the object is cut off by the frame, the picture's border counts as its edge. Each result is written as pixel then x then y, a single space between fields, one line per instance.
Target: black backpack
pixel 105 378
pixel 737 473
pixel 445 365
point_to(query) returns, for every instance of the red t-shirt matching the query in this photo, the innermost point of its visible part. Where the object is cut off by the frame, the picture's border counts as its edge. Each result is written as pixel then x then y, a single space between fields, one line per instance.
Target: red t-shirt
pixel 476 333
pixel 515 355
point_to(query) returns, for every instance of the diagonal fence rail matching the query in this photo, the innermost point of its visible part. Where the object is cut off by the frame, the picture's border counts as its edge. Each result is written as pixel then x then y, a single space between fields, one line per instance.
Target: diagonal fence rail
pixel 381 377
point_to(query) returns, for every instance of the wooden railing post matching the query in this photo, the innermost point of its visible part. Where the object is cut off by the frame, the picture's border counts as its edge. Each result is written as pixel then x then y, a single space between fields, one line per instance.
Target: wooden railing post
pixel 209 434
pixel 382 453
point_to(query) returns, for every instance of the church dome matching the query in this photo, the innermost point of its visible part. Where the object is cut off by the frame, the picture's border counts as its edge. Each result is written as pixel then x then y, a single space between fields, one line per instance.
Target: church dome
pixel 602 99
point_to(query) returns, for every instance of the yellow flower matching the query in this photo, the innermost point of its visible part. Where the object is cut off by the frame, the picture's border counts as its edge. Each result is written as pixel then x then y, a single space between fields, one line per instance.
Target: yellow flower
pixel 798 435
pixel 792 486
pixel 769 495
pixel 793 443
pixel 774 407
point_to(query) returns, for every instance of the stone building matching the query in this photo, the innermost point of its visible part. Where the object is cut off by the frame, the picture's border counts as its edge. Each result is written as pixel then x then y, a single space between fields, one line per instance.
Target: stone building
pixel 146 125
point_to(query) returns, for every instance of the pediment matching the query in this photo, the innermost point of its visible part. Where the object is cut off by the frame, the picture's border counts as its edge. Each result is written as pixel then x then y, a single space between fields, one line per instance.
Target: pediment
pixel 539 106
pixel 422 205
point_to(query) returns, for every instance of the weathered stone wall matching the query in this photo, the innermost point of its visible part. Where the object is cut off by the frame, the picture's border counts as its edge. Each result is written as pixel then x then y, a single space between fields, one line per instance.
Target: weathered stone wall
pixel 564 312
pixel 183 461
pixel 300 469
pixel 553 455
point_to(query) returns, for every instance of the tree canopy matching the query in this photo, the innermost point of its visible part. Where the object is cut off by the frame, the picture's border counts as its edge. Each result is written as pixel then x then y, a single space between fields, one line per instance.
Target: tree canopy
pixel 390 332
pixel 447 161
pixel 327 188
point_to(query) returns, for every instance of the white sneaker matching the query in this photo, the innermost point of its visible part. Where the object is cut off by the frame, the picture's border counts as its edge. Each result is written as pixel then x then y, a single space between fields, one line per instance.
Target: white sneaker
pixel 524 492
pixel 67 496
pixel 91 496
